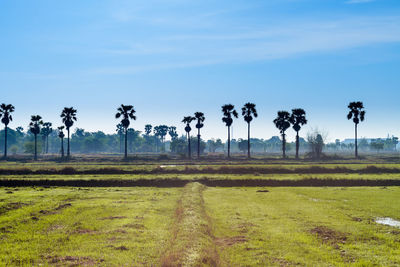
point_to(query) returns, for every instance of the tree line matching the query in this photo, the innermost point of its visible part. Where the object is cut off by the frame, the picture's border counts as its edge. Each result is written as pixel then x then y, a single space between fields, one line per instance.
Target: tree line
pixel 283 121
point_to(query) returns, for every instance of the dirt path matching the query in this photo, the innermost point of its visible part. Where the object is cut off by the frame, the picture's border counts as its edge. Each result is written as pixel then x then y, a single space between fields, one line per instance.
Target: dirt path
pixel 192 242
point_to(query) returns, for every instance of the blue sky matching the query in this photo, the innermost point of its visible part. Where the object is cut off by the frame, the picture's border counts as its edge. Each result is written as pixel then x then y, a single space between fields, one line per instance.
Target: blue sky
pixel 172 58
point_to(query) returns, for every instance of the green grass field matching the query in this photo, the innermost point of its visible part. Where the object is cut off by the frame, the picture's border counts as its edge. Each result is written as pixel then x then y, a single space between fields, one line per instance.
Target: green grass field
pixel 196 225
pixel 84 226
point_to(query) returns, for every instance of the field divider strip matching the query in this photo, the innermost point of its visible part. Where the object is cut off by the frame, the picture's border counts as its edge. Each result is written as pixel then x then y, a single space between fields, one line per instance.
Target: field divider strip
pixel 192 242
pixel 308 182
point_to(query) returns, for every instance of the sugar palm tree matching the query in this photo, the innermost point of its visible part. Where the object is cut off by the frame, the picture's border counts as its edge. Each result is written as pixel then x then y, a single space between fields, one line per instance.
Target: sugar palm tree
pixel 357 113
pixel 187 120
pixel 298 119
pixel 35 127
pixel 200 119
pixel 282 122
pixel 46 131
pixel 248 111
pixel 147 129
pixel 229 113
pixel 172 132
pixel 5 115
pixel 68 116
pixel 61 136
pixel 120 131
pixel 127 112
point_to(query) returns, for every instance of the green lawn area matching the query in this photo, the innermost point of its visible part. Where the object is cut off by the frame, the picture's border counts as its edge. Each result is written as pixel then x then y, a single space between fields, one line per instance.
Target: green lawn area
pixel 84 226
pixel 305 226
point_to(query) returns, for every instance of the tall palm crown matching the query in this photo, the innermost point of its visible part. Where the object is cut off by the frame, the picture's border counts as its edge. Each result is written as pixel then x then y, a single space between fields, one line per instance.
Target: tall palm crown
pixel 60 132
pixel 188 120
pixel 68 116
pixel 127 112
pixel 147 129
pixel 282 122
pixel 200 119
pixel 34 127
pixel 248 111
pixel 356 112
pixel 229 111
pixel 172 132
pixel 298 118
pixel 35 124
pixel 46 131
pixel 5 113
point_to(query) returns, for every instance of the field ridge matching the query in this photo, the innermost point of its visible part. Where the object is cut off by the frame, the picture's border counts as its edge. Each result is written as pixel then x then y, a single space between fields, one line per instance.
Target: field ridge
pixel 192 242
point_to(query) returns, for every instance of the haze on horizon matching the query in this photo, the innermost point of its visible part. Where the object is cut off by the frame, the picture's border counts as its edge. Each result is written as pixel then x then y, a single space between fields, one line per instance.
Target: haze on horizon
pixel 171 59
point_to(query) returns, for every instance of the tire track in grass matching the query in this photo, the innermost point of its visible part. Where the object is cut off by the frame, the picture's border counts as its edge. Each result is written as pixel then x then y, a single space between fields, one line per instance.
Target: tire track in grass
pixel 192 242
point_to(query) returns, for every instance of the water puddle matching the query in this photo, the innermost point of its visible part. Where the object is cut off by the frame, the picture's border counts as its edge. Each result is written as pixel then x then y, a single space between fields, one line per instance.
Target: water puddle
pixel 388 221
pixel 166 166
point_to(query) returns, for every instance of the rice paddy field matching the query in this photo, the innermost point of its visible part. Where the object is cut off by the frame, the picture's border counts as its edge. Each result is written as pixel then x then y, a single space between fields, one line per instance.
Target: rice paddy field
pixel 200 214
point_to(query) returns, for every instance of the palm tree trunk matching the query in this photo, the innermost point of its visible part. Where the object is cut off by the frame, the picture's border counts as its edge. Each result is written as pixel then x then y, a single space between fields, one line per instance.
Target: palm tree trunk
pixel 35 157
pixel 5 142
pixel 120 143
pixel 126 143
pixel 47 144
pixel 198 144
pixel 356 148
pixel 189 148
pixel 62 147
pixel 68 149
pixel 284 145
pixel 229 142
pixel 297 144
pixel 248 140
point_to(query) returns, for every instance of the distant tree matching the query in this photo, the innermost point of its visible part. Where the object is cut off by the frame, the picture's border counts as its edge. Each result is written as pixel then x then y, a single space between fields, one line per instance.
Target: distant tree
pixel 356 113
pixel 61 136
pixel 229 112
pixel 248 111
pixel 377 146
pixel 34 128
pixel 133 137
pixel 282 122
pixel 316 141
pixel 127 112
pixel 120 131
pixel 200 119
pixel 298 119
pixel 242 145
pixel 5 115
pixel 213 145
pixel 147 129
pixel 68 116
pixel 46 131
pixel 172 132
pixel 161 131
pixel 20 130
pixel 187 120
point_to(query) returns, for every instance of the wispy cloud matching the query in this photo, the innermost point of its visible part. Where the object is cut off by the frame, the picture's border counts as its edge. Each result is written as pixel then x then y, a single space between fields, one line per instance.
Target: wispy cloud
pixel 359 1
pixel 258 43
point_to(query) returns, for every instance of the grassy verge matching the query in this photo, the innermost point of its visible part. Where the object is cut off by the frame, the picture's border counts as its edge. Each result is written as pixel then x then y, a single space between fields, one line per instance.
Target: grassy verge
pixel 85 226
pixel 192 243
pixel 305 226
